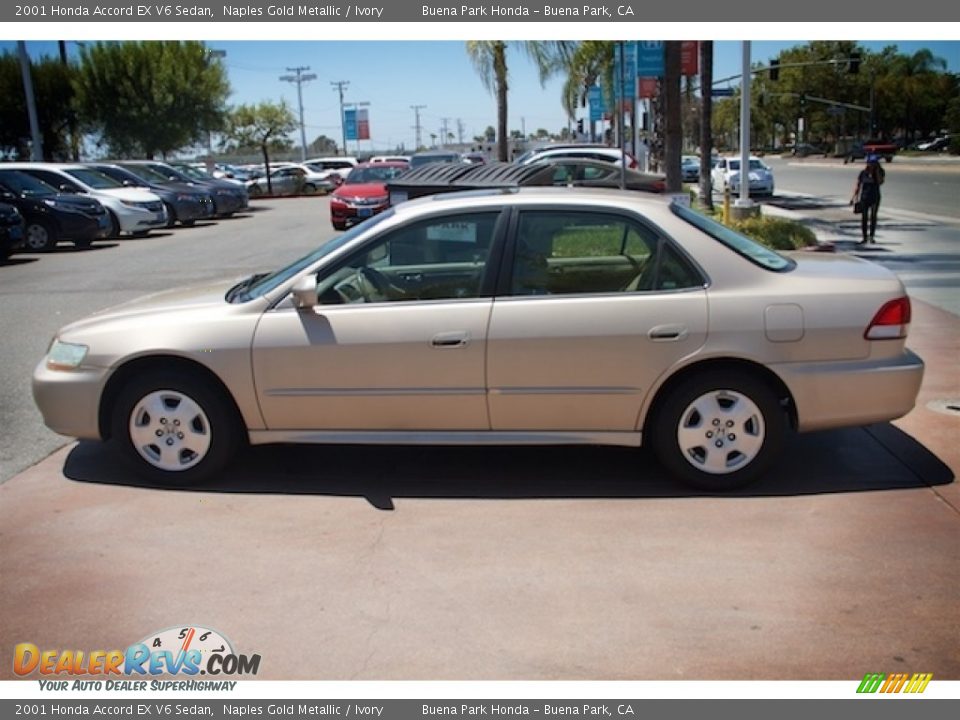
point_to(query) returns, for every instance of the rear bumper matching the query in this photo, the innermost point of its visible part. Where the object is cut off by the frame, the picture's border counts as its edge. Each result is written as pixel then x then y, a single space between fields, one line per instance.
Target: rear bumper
pixel 844 394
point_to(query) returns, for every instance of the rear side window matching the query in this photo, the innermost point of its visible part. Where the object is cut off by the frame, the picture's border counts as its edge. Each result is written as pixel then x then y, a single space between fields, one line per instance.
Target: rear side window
pixel 571 252
pixel 742 245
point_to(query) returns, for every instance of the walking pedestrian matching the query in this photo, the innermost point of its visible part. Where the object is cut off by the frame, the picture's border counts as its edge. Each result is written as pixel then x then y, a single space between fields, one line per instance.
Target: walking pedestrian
pixel 866 196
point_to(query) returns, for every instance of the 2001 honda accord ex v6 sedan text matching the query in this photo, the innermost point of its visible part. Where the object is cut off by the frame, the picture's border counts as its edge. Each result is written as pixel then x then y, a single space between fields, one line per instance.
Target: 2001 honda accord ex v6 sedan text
pixel 538 316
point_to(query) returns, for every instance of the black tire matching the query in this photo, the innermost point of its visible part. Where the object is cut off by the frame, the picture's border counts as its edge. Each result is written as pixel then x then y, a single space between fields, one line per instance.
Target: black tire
pixel 140 233
pixel 114 225
pixel 309 189
pixel 216 422
pixel 171 215
pixel 83 243
pixel 762 429
pixel 39 236
pixel 188 223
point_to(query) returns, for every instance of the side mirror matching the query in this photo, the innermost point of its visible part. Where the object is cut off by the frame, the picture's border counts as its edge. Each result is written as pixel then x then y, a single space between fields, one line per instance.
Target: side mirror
pixel 305 292
pixel 66 189
pixel 7 195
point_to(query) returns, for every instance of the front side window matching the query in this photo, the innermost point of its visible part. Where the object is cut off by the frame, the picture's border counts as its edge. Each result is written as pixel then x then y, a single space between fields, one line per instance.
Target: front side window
pixel 436 259
pixel 570 252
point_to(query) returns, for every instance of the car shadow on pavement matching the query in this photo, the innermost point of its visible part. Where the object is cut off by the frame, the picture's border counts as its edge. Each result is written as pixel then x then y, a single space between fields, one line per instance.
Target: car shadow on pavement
pixel 10 262
pixel 880 457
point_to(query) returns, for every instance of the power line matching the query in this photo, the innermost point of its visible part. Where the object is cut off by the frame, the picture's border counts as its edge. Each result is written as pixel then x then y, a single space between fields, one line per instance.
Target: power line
pixel 299 79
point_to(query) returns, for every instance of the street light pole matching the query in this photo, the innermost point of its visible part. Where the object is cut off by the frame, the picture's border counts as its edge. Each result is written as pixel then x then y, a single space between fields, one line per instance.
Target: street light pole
pixel 340 85
pixel 36 148
pixel 744 200
pixel 299 79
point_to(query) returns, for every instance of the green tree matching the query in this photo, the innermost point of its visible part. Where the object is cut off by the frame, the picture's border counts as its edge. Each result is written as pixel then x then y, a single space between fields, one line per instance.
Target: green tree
pixel 53 94
pixel 323 146
pixel 150 97
pixel 263 126
pixel 489 57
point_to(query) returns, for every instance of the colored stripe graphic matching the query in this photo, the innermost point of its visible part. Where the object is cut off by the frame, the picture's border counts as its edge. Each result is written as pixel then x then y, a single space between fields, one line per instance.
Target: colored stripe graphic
pixel 895 683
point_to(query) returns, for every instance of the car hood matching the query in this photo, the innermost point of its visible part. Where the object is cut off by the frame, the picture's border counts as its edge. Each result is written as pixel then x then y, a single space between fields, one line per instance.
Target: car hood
pixel 130 194
pixel 361 190
pixel 191 298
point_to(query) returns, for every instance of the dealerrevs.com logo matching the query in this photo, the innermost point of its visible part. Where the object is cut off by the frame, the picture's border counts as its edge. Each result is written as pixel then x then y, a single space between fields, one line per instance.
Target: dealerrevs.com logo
pixel 183 650
pixel 894 683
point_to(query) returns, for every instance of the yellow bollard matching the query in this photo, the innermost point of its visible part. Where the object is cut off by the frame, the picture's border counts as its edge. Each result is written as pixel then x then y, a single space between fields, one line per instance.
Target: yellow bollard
pixel 726 205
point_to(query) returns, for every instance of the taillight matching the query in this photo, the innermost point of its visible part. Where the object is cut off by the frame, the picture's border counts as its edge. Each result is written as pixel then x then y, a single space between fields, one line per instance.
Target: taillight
pixel 631 161
pixel 890 322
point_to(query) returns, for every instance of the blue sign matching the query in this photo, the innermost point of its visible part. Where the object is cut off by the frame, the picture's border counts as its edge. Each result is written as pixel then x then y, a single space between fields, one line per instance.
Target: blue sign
pixel 650 58
pixel 628 60
pixel 722 92
pixel 350 124
pixel 595 98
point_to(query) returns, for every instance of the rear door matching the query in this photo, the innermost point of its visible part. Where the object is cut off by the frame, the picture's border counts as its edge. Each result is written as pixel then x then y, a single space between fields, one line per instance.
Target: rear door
pixel 593 307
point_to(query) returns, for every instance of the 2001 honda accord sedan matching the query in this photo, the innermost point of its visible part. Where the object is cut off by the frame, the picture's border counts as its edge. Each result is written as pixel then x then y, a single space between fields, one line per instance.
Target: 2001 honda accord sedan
pixel 538 316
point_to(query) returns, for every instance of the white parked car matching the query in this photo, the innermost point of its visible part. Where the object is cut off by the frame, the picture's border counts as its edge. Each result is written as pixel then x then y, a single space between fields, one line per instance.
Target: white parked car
pixel 338 165
pixel 578 152
pixel 132 210
pixel 390 158
pixel 726 175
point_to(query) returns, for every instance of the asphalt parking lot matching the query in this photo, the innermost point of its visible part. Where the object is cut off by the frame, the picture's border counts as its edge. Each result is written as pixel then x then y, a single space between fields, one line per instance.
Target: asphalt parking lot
pixel 483 563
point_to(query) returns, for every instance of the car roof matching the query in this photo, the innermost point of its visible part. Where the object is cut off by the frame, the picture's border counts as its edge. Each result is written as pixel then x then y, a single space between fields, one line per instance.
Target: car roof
pixel 575 198
pixel 385 164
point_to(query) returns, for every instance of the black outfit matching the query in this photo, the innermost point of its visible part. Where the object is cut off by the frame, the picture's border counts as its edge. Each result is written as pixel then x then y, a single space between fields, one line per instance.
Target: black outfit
pixel 869 196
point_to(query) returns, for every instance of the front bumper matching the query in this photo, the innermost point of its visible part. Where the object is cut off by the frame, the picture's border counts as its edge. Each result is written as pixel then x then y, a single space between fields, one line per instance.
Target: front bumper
pixel 350 214
pixel 845 394
pixel 190 210
pixel 70 400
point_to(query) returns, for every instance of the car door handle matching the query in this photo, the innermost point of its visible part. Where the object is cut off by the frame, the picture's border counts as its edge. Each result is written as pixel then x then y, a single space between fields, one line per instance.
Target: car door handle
pixel 453 339
pixel 666 333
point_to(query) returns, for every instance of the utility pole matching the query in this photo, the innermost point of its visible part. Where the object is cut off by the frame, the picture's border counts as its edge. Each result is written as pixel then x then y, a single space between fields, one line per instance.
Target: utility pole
pixel 299 79
pixel 443 132
pixel 460 131
pixel 340 85
pixel 36 146
pixel 417 127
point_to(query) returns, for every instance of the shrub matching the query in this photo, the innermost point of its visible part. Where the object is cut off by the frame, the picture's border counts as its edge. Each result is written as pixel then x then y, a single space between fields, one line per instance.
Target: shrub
pixel 776 232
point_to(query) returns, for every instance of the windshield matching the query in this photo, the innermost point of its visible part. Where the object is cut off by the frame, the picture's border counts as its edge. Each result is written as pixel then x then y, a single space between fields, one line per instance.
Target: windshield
pixel 266 283
pixel 754 165
pixel 23 184
pixel 94 179
pixel 418 160
pixel 192 172
pixel 742 245
pixel 146 174
pixel 373 174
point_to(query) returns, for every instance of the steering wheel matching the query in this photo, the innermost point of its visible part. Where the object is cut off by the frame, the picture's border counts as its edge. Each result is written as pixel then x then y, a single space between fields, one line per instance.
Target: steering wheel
pixel 373 285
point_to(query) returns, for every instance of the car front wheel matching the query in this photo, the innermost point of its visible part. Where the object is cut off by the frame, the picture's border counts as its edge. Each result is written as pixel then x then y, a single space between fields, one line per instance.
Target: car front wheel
pixel 719 431
pixel 174 428
pixel 40 237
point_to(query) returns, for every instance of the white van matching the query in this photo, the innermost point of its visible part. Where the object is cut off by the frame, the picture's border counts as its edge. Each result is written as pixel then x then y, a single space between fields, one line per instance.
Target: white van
pixel 132 210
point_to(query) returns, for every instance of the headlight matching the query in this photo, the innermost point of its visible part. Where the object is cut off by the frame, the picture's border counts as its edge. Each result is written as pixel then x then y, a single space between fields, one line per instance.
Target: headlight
pixel 65 356
pixel 135 204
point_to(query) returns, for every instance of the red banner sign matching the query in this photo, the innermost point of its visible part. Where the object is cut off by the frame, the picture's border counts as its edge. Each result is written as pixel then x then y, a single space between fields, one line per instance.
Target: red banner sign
pixel 689 57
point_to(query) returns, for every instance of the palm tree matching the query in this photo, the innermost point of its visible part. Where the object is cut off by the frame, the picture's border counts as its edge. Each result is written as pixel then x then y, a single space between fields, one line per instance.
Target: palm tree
pixel 489 57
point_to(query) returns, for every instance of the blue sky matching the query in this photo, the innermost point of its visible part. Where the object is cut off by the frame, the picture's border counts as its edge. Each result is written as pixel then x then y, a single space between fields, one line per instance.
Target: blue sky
pixel 392 76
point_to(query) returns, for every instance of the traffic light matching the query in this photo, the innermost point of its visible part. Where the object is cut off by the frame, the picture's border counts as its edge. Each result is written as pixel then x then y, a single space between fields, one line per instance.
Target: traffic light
pixel 854 66
pixel 580 126
pixel 775 69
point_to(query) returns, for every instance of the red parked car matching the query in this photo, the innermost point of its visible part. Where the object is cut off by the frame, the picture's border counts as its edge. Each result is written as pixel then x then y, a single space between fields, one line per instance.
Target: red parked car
pixel 364 193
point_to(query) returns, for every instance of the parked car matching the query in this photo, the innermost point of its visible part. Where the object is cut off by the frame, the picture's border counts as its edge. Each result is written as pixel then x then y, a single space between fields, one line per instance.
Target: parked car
pixel 229 196
pixel 726 176
pixel 580 152
pixel 292 180
pixel 364 193
pixel 536 316
pixel 390 158
pixel 690 168
pixel 131 210
pixel 50 216
pixel 880 148
pixel 334 167
pixel 444 178
pixel 184 203
pixel 433 156
pixel 936 145
pixel 11 230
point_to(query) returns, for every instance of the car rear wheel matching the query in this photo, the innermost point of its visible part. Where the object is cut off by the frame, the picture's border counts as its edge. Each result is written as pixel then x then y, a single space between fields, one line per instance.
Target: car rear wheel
pixel 309 189
pixel 114 225
pixel 719 431
pixel 255 191
pixel 171 215
pixel 174 428
pixel 40 237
